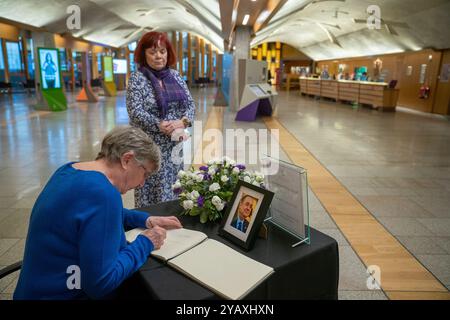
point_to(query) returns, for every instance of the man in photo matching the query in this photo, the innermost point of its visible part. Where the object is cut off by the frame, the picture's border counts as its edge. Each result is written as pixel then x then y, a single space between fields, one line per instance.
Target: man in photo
pixel 244 213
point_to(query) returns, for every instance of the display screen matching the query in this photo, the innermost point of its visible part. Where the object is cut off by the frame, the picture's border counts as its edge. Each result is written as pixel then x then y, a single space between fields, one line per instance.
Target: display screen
pixel 108 69
pixel 257 90
pixel 120 66
pixel 50 70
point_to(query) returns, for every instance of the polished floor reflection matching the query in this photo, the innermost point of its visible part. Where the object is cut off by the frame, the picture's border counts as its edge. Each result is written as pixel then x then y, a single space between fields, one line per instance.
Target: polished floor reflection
pixel 396 164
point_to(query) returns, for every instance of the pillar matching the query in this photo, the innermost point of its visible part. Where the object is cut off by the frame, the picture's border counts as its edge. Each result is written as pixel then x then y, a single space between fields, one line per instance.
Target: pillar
pixel 242 36
pixel 86 93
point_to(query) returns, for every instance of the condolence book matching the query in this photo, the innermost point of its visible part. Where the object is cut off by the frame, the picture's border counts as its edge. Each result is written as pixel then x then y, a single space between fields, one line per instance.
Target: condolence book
pixel 211 263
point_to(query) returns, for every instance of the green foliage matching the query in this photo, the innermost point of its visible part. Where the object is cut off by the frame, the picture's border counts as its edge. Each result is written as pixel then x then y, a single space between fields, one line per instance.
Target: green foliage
pixel 205 192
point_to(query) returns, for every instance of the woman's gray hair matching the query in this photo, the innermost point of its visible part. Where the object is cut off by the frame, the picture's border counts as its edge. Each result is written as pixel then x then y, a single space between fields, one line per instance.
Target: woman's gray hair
pixel 127 138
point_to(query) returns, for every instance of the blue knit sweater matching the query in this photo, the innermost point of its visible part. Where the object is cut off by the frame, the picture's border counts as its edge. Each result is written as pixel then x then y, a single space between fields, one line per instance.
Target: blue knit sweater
pixel 78 220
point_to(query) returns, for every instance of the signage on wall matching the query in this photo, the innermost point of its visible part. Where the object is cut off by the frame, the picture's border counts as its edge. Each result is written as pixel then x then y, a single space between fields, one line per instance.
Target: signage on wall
pixel 423 71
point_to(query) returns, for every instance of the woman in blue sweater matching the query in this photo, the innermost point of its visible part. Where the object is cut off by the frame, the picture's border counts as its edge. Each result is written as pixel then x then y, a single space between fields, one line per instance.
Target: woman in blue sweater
pixel 76 246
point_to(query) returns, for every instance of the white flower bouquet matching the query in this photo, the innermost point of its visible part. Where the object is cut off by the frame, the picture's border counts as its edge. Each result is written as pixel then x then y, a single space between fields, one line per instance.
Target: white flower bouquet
pixel 205 192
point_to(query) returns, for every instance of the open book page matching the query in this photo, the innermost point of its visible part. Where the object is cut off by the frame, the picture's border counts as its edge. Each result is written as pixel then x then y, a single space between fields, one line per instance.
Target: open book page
pixel 177 241
pixel 221 269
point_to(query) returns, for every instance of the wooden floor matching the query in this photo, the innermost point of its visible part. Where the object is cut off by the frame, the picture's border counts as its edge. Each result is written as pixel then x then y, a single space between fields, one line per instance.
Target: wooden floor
pixel 209 150
pixel 402 276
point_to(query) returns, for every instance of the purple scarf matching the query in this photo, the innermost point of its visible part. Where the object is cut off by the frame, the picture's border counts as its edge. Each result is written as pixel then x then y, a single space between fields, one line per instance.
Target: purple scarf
pixel 173 91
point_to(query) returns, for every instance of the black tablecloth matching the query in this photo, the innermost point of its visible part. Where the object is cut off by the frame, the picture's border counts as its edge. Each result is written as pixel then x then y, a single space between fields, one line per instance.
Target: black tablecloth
pixel 304 272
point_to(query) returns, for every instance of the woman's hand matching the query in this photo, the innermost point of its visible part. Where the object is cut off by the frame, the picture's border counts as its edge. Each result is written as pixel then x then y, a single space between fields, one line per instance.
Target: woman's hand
pixel 168 223
pixel 165 127
pixel 156 235
pixel 176 124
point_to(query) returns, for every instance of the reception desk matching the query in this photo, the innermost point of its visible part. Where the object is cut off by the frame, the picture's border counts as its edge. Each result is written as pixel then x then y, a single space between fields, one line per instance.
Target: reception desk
pixel 376 94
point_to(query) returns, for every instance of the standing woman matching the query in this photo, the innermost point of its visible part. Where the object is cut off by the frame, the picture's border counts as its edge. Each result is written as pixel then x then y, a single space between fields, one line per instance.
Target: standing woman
pixel 159 102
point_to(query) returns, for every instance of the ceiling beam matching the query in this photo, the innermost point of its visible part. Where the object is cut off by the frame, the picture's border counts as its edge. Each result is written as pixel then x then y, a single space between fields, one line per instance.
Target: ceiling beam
pixel 227 7
pixel 192 10
pixel 272 7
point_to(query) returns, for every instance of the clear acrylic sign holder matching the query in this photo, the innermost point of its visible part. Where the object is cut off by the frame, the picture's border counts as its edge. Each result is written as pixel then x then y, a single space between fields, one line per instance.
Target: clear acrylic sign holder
pixel 289 210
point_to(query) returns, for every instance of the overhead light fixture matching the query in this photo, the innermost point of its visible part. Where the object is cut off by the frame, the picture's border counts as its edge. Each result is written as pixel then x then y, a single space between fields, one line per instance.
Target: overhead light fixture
pixel 246 17
pixel 234 15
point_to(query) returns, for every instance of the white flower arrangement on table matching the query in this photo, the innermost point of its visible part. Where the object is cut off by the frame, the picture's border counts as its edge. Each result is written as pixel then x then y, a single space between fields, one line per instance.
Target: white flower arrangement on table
pixel 205 192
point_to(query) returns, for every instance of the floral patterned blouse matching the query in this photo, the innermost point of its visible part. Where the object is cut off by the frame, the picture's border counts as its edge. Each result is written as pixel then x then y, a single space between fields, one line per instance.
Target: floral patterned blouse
pixel 144 113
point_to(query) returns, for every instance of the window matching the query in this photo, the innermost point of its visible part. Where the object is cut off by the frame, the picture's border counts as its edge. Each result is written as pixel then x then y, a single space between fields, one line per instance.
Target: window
pixel 2 63
pixel 14 59
pixel 30 57
pixel 62 59
pixel 132 46
pixel 185 41
pixel 206 57
pixel 99 63
pixel 132 64
pixel 214 56
pixel 185 67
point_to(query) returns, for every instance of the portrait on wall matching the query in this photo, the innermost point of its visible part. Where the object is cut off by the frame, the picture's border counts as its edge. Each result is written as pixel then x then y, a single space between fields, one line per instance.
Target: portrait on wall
pixel 50 68
pixel 245 214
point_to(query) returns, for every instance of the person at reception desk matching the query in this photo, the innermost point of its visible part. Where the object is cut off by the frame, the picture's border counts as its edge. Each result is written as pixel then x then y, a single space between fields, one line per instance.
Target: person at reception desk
pixel 76 246
pixel 159 102
pixel 324 75
pixel 364 77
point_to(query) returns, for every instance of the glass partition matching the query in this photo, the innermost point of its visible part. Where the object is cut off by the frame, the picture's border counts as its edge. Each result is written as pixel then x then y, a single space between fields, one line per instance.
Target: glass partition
pixel 2 63
pixel 289 209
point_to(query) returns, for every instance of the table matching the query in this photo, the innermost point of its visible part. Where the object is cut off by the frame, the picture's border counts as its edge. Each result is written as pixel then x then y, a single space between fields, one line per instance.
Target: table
pixel 304 272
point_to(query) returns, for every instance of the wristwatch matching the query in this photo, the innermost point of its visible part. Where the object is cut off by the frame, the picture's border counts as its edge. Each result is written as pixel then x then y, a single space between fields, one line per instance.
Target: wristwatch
pixel 186 122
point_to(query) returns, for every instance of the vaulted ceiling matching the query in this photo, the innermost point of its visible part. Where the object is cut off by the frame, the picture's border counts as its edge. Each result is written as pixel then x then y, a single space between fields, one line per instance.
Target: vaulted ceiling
pixel 322 29
pixel 325 29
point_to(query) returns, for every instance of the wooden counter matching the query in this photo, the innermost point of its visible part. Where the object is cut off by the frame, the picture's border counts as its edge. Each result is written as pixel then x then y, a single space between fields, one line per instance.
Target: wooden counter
pixel 329 89
pixel 348 91
pixel 376 94
pixel 303 85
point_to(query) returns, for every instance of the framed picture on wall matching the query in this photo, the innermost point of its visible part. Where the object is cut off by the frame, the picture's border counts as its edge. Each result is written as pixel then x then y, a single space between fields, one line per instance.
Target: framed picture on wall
pixel 50 68
pixel 245 214
pixel 445 73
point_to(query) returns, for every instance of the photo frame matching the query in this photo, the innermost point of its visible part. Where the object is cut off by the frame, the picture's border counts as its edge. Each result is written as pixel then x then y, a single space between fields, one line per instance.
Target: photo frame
pixel 245 214
pixel 50 68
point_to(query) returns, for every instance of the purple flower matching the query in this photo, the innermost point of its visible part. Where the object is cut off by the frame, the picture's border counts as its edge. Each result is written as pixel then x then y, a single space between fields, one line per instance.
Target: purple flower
pixel 240 166
pixel 177 191
pixel 207 176
pixel 204 168
pixel 200 201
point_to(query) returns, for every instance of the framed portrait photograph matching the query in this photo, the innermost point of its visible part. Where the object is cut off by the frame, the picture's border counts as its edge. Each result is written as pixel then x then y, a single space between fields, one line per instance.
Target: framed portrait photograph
pixel 50 68
pixel 245 214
